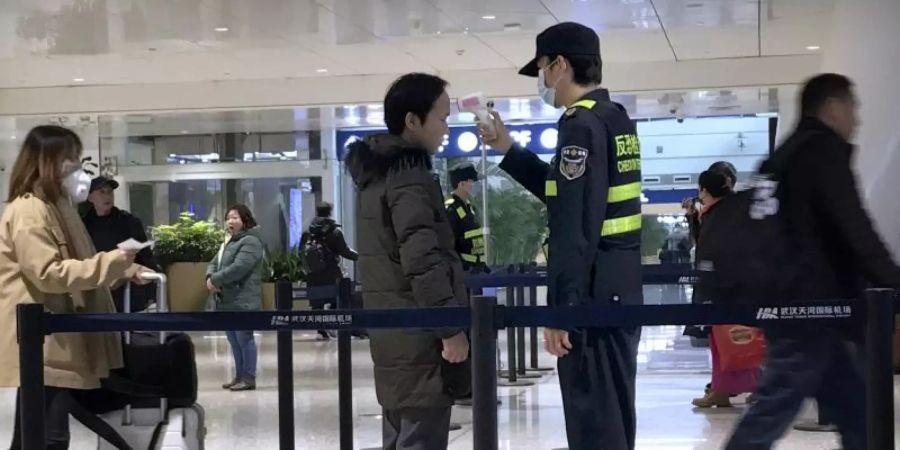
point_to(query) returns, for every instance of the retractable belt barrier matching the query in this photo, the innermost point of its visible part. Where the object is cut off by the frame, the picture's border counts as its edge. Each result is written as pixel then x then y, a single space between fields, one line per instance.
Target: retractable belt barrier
pixel 484 318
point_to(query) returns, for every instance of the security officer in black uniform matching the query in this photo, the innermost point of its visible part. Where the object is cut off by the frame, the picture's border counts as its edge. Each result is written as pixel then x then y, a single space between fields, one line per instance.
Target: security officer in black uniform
pixel 468 232
pixel 592 190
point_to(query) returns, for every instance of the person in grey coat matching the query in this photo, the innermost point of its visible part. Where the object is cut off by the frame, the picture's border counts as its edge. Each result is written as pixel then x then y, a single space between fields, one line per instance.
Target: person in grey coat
pixel 234 278
pixel 407 259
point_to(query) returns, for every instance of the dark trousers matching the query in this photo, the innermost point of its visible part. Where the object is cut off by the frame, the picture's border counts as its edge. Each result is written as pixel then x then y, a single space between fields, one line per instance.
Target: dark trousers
pixel 56 417
pixel 819 363
pixel 597 381
pixel 416 429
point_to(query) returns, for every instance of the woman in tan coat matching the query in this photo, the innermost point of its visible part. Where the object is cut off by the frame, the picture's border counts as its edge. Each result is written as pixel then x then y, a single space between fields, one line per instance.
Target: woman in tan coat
pixel 47 257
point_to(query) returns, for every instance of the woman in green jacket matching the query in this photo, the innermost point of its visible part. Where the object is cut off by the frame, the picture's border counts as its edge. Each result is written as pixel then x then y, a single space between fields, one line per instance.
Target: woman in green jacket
pixel 234 278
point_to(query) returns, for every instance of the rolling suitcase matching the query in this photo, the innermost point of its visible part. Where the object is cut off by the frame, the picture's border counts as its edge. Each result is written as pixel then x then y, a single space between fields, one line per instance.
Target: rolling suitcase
pixel 177 423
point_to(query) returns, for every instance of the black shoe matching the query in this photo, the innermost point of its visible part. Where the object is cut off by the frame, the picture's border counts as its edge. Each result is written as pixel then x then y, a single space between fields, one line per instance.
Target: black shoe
pixel 244 385
pixel 323 336
pixel 229 384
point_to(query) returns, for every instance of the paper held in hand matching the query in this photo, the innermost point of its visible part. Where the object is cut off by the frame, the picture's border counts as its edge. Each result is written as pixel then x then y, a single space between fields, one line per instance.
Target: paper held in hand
pixel 134 245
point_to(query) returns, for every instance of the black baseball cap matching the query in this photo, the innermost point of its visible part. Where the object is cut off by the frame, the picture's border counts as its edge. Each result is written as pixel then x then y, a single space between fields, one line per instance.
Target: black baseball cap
pixel 463 172
pixel 100 182
pixel 566 38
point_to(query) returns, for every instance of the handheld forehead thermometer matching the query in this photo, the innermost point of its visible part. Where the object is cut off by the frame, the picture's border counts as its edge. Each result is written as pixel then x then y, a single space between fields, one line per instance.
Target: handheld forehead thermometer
pixel 477 104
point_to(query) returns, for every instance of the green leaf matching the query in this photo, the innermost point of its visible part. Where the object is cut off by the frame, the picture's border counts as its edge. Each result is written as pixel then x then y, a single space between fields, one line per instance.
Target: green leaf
pixel 188 240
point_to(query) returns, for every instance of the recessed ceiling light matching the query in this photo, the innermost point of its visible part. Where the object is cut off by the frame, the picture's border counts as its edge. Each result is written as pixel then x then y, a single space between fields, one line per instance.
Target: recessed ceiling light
pixel 12 137
pixel 812 47
pixel 184 131
pixel 221 29
pixel 321 70
pixel 489 17
pixel 78 80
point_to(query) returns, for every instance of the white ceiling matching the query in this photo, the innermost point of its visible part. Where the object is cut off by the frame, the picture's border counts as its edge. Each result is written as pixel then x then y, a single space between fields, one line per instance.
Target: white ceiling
pixel 102 42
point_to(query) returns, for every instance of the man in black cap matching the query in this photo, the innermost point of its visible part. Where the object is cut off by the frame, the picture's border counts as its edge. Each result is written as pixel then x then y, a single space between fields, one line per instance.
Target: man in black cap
pixel 463 221
pixel 108 226
pixel 592 190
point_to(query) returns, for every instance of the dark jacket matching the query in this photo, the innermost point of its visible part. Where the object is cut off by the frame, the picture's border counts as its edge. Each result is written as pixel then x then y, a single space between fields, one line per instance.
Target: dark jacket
pixel 468 232
pixel 836 244
pixel 406 260
pixel 706 224
pixel 593 193
pixel 236 272
pixel 110 230
pixel 329 233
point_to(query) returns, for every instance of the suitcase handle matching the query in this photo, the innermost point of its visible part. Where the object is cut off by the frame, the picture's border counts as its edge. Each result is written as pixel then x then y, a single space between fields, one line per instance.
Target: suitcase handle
pixel 162 302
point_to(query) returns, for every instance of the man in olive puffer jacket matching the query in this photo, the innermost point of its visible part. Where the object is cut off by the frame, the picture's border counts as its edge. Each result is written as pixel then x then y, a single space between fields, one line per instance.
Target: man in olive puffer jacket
pixel 407 260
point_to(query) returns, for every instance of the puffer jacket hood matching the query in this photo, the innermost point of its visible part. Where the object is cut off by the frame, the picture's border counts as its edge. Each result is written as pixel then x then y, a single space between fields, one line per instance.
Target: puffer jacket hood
pixel 255 232
pixel 376 156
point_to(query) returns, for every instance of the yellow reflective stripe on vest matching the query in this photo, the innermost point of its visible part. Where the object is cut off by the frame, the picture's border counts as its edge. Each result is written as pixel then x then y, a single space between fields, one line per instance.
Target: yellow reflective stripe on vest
pixel 621 225
pixel 473 233
pixel 624 192
pixel 586 103
pixel 461 212
pixel 468 258
pixel 449 202
pixel 550 188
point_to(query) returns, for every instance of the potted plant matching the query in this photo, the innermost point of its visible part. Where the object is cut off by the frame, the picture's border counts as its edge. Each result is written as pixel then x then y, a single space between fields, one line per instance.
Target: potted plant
pixel 275 267
pixel 184 249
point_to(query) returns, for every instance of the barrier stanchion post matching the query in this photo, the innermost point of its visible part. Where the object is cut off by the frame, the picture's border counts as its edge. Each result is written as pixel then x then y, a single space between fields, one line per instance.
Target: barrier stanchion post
pixel 284 301
pixel 535 352
pixel 533 341
pixel 879 368
pixel 31 375
pixel 520 335
pixel 345 370
pixel 520 332
pixel 484 373
pixel 512 369
pixel 512 361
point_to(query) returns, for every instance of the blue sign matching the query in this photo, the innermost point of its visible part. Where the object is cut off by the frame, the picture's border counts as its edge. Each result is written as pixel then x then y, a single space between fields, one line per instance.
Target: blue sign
pixel 655 196
pixel 463 141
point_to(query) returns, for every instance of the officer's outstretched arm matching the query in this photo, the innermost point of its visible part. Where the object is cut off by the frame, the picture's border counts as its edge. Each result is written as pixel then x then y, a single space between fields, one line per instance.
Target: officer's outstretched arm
pixel 582 182
pixel 527 169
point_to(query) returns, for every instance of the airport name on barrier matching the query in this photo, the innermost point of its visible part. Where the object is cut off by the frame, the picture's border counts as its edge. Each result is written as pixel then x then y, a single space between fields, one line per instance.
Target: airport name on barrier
pixel 279 320
pixel 804 312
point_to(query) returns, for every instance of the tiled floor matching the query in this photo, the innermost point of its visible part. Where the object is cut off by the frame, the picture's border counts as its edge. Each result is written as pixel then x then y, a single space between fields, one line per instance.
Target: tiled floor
pixel 672 373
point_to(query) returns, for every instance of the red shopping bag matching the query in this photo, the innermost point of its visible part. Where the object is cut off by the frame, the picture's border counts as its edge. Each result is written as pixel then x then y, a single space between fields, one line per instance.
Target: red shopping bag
pixel 739 347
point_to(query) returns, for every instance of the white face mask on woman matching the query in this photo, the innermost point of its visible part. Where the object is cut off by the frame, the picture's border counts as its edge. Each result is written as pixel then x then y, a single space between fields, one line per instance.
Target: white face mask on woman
pixel 77 185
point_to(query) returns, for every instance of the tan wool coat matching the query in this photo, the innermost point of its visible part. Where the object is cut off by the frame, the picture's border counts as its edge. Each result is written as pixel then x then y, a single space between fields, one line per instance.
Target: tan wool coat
pixel 47 257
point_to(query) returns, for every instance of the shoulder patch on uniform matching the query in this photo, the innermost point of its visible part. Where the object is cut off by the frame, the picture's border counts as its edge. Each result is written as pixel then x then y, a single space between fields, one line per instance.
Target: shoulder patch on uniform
pixel 570 111
pixel 572 161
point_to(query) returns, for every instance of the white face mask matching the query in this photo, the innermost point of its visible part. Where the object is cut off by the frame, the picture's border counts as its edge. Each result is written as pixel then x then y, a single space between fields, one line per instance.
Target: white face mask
pixel 548 94
pixel 78 185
